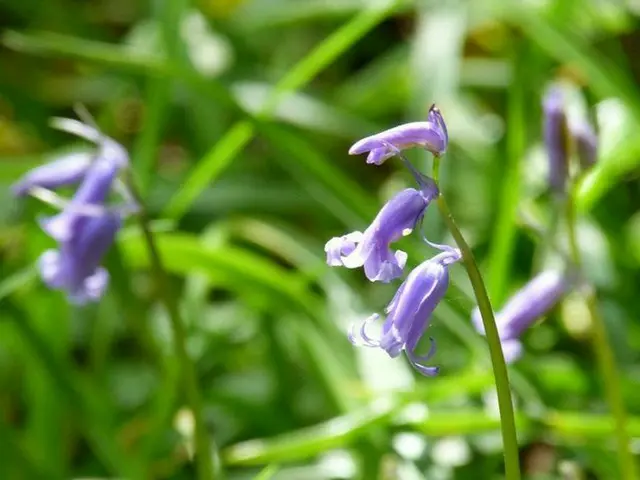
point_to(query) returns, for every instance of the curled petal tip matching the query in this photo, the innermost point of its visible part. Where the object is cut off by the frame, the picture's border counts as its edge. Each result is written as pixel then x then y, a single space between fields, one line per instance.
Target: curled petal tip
pixel 377 156
pixel 361 338
pixel 425 358
pixel 426 370
pixel 417 361
pixel 342 251
pixel 359 147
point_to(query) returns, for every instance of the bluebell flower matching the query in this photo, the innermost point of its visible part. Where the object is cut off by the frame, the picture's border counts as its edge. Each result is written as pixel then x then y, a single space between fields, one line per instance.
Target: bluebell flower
pixel 556 139
pixel 66 170
pixel 431 135
pixel 97 181
pixel 92 192
pixel 526 306
pixel 409 312
pixel 75 266
pixel 86 227
pixel 397 218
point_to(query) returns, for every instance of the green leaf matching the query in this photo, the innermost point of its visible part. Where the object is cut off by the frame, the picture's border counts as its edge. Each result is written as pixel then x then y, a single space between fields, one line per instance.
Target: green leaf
pixel 307 442
pixel 221 155
pixel 238 269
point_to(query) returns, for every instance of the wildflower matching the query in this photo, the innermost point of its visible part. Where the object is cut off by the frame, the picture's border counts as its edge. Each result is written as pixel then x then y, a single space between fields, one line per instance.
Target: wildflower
pixel 397 218
pixel 97 183
pixel 93 191
pixel 409 312
pixel 86 227
pixel 531 302
pixel 67 170
pixel 586 144
pixel 75 267
pixel 431 135
pixel 556 139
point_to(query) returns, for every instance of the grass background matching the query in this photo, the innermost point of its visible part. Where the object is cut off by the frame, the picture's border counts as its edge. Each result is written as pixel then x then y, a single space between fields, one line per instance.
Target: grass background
pixel 238 116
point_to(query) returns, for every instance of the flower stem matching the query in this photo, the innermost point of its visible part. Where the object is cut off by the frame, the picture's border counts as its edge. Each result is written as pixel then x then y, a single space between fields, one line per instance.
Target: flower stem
pixel 603 352
pixel 206 453
pixel 501 376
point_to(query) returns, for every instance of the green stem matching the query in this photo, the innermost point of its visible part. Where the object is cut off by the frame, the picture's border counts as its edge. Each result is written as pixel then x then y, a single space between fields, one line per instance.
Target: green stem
pixel 501 376
pixel 604 354
pixel 206 452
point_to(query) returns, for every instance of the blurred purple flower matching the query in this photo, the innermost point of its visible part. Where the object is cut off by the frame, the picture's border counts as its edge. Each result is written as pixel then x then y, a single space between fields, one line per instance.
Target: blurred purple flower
pixel 397 218
pixel 586 144
pixel 92 193
pixel 75 266
pixel 97 180
pixel 431 135
pixel 66 170
pixel 86 227
pixel 556 139
pixel 409 312
pixel 526 306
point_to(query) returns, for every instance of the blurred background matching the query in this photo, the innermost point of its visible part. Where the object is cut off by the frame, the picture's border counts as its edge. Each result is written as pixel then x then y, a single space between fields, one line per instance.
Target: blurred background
pixel 238 116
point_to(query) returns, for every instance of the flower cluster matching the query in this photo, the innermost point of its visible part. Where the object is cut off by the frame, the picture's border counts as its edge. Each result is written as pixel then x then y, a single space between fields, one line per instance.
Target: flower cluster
pixel 538 296
pixel 86 226
pixel 408 314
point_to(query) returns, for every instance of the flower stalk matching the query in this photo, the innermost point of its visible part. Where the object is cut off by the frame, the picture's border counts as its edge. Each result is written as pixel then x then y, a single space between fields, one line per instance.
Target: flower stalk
pixel 206 453
pixel 603 352
pixel 501 376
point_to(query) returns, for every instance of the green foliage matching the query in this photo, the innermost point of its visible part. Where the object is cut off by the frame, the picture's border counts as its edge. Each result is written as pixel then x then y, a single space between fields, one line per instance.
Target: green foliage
pixel 238 116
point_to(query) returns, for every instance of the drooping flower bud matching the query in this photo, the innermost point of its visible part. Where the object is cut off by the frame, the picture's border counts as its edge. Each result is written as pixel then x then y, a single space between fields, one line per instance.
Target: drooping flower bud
pixel 97 183
pixel 526 306
pixel 75 266
pixel 87 226
pixel 66 170
pixel 431 135
pixel 556 139
pixel 586 142
pixel 409 312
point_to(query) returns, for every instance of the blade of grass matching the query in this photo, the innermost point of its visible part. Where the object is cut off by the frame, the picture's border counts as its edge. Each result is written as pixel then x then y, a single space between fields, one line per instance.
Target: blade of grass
pixel 287 13
pixel 304 443
pixel 299 155
pixel 47 44
pixel 24 460
pixel 209 168
pixel 268 472
pixel 233 267
pixel 564 45
pixel 503 239
pixel 239 135
pixel 101 437
pixel 170 15
pixel 20 279
pixel 343 430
